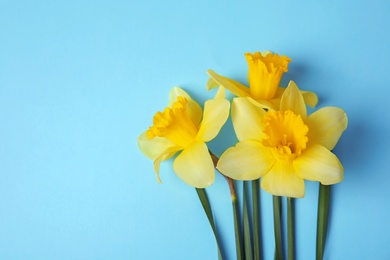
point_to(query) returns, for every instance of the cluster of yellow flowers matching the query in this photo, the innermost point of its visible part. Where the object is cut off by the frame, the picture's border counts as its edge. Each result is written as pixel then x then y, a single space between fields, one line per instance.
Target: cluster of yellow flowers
pixel 278 141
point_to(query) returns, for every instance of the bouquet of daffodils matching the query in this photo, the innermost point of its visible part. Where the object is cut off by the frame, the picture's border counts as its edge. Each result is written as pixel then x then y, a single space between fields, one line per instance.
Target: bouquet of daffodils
pixel 279 146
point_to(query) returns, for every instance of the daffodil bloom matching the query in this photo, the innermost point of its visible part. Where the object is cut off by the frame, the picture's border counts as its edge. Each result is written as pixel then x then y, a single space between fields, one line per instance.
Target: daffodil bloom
pixel 265 71
pixel 181 127
pixel 286 146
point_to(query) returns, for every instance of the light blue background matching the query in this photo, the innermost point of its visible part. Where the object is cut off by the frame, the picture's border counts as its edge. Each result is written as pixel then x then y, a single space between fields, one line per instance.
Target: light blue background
pixel 80 80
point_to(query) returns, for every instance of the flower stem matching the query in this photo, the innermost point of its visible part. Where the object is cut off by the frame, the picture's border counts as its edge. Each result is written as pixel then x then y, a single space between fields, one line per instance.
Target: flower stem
pixel 256 219
pixel 237 227
pixel 277 228
pixel 322 219
pixel 290 230
pixel 207 208
pixel 247 226
pixel 236 215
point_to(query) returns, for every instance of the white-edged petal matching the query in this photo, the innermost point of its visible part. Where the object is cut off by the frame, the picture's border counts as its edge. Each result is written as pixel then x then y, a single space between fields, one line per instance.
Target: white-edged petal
pixel 248 160
pixel 195 166
pixel 247 119
pixel 319 164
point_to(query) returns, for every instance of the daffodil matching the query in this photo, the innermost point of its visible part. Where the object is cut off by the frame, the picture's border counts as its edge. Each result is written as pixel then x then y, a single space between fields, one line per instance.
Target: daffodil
pixel 286 146
pixel 265 71
pixel 182 128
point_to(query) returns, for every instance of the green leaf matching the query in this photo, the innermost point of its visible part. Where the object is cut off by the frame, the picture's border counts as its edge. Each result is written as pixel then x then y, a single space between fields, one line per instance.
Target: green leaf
pixel 290 228
pixel 322 219
pixel 207 209
pixel 247 228
pixel 277 228
pixel 256 219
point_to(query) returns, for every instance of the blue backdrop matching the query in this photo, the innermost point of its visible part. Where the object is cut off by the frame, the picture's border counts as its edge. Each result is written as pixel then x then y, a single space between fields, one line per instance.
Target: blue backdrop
pixel 80 80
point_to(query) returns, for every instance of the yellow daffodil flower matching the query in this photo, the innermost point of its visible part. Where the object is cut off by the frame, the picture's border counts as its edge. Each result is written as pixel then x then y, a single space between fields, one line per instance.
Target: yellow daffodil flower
pixel 286 146
pixel 265 71
pixel 181 127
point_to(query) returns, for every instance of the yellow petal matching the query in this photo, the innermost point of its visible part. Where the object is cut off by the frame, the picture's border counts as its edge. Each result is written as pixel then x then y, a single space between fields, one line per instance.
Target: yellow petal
pixel 168 153
pixel 194 110
pixel 215 114
pixel 248 160
pixel 211 83
pixel 233 86
pixel 264 104
pixel 282 180
pixel 319 164
pixel 292 100
pixel 326 126
pixel 310 98
pixel 279 92
pixel 247 120
pixel 177 92
pixel 220 93
pixel 153 148
pixel 194 166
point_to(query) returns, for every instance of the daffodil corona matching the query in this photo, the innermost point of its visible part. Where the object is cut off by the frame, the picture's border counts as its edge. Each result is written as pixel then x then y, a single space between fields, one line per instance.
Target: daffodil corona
pixel 285 134
pixel 181 127
pixel 286 146
pixel 174 124
pixel 264 73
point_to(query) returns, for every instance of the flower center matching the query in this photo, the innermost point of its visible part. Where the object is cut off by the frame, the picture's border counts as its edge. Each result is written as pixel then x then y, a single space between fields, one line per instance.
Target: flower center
pixel 285 133
pixel 174 124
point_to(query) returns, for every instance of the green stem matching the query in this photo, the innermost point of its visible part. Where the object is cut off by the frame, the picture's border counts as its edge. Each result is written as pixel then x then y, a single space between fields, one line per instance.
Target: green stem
pixel 237 228
pixel 207 208
pixel 247 228
pixel 290 230
pixel 277 228
pixel 322 219
pixel 256 218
